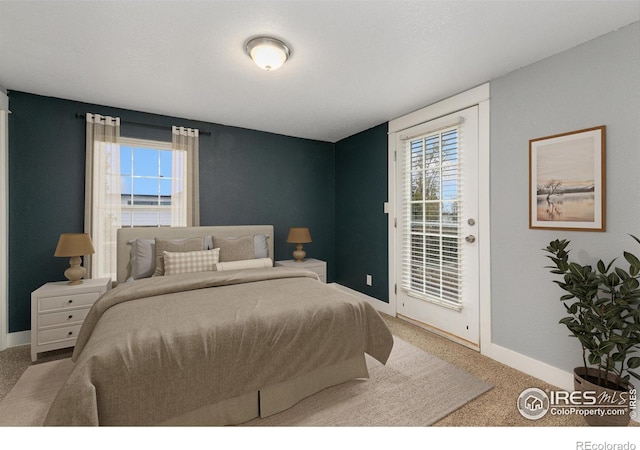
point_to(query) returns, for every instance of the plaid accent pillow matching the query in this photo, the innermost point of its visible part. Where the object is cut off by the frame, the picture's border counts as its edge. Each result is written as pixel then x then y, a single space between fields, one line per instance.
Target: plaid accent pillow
pixel 175 245
pixel 185 262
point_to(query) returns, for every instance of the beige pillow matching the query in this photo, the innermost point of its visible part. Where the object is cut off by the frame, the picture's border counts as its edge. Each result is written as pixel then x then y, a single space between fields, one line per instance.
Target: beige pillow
pixel 175 245
pixel 188 262
pixel 234 249
pixel 244 264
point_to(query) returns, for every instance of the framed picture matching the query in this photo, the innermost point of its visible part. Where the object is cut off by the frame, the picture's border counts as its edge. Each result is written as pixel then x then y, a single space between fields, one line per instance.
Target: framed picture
pixel 567 181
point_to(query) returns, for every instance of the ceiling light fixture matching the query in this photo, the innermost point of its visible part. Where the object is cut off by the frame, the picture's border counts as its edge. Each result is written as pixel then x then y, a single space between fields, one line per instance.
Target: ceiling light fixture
pixel 267 52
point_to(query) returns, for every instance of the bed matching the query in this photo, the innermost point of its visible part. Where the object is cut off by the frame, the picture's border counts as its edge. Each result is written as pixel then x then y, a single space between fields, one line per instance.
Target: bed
pixel 212 347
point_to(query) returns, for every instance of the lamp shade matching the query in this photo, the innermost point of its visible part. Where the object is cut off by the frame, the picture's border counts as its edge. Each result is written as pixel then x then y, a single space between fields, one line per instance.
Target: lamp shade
pixel 299 235
pixel 74 244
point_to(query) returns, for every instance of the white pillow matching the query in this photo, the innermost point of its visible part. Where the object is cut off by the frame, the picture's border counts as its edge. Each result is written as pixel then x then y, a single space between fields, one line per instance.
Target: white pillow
pixel 186 262
pixel 244 264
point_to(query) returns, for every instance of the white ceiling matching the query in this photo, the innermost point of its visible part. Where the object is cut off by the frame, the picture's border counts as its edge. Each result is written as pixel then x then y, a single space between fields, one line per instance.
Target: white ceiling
pixel 355 64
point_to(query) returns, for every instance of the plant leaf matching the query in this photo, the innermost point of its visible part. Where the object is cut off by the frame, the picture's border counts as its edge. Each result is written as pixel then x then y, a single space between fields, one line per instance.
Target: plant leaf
pixel 622 274
pixel 607 346
pixel 594 359
pixel 634 362
pixel 636 375
pixel 632 259
pixel 576 269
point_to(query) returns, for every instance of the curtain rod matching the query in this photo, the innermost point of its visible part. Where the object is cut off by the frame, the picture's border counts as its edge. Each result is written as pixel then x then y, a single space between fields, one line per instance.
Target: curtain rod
pixel 150 125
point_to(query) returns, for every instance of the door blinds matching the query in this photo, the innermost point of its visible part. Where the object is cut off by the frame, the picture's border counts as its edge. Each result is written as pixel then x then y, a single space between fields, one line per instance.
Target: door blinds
pixel 431 244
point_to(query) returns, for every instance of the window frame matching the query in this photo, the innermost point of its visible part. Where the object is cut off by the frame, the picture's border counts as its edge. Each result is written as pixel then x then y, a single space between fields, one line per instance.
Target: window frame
pixel 151 144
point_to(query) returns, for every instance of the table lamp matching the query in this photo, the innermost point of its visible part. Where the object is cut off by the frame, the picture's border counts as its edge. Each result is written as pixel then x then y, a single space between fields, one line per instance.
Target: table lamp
pixel 299 236
pixel 74 245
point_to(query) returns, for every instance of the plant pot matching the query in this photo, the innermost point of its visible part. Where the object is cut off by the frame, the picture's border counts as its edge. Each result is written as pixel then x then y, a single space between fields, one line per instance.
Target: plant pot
pixel 609 402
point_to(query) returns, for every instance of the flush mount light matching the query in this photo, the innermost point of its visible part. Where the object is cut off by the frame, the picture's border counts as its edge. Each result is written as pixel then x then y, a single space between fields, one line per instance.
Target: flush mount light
pixel 267 52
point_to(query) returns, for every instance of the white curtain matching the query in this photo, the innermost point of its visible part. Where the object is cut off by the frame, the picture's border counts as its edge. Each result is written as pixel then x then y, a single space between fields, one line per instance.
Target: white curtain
pixel 103 214
pixel 185 203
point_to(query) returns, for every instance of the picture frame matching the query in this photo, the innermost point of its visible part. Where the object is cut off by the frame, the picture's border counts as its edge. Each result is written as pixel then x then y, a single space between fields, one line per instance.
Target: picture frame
pixel 567 181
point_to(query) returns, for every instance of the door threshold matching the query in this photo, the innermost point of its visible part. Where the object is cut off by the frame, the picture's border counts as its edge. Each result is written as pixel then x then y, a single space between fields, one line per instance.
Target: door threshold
pixel 439 332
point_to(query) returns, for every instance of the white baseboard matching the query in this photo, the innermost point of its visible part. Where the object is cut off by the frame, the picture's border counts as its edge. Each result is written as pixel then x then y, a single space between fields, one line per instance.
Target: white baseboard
pixel 18 338
pixel 538 369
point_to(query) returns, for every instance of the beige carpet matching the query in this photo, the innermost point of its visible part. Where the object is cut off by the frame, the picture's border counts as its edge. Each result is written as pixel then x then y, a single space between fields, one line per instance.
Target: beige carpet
pixel 412 389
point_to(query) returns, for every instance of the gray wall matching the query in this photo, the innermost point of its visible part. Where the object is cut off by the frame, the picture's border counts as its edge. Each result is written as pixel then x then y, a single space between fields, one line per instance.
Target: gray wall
pixel 597 83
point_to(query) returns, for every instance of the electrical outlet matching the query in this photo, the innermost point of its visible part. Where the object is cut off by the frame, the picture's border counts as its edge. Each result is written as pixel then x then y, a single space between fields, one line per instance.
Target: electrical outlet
pixel 369 280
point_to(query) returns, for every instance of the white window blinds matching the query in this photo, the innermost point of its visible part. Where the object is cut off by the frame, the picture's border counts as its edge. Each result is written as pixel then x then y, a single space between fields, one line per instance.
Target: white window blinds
pixel 431 244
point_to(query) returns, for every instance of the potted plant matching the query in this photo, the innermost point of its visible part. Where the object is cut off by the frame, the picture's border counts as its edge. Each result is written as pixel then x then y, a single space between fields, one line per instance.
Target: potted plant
pixel 604 315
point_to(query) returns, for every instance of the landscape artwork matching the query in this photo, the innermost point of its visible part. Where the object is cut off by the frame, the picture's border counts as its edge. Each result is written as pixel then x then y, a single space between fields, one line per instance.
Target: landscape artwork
pixel 566 181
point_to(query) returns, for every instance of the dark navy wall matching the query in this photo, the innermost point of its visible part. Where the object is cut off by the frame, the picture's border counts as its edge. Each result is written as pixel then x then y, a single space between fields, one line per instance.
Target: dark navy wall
pixel 361 224
pixel 254 177
pixel 246 177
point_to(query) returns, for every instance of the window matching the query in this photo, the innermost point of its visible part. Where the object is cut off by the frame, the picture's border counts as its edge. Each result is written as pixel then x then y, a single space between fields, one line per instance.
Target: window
pixel 146 180
pixel 432 235
pixel 134 182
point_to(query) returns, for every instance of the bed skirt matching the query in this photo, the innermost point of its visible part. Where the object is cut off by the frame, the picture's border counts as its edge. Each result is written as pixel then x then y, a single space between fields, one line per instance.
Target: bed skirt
pixel 273 399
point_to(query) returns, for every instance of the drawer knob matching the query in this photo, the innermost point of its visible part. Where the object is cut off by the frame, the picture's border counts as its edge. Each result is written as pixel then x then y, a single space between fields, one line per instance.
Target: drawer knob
pixel 70 333
pixel 70 301
pixel 70 316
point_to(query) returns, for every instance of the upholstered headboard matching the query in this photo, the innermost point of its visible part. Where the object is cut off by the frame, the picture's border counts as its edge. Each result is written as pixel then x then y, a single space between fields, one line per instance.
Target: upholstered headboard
pixel 127 234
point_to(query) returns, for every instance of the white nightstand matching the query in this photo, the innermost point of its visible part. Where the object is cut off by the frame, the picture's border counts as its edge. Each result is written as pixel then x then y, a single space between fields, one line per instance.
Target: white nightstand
pixel 316 265
pixel 58 310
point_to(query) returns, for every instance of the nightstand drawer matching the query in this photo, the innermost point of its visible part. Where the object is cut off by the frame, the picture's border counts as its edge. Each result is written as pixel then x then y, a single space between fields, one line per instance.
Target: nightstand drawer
pixel 62 317
pixel 58 334
pixel 67 301
pixel 316 265
pixel 58 310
